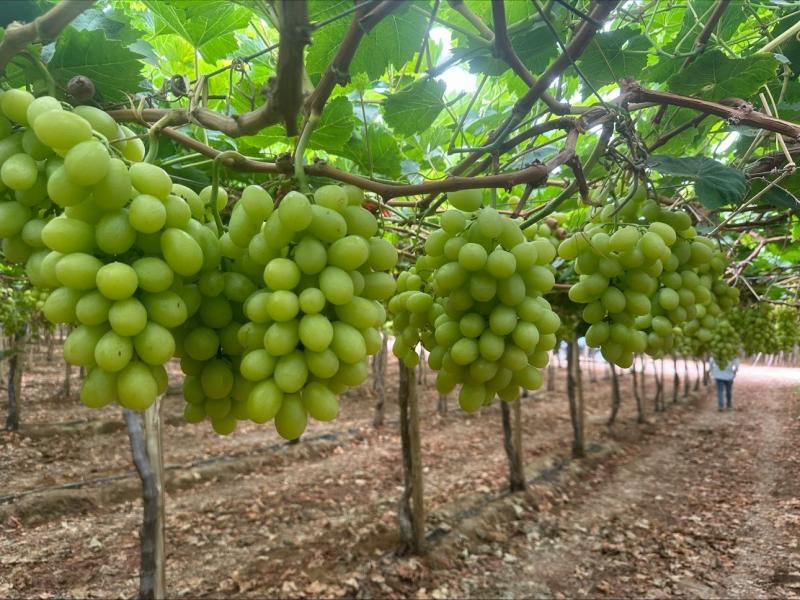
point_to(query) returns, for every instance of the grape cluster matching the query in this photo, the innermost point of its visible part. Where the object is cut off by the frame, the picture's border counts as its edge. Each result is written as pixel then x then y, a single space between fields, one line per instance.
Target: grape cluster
pixel 475 302
pixel 642 280
pixel 787 328
pixel 306 331
pixel 107 237
pixel 725 343
pixel 766 328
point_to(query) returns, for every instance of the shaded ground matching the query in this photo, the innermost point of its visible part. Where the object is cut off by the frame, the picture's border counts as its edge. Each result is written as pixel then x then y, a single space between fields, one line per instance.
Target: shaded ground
pixel 693 503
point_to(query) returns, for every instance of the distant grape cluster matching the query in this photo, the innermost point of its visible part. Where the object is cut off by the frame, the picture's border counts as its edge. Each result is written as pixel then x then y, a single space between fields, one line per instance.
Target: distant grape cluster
pixel 643 272
pixel 475 302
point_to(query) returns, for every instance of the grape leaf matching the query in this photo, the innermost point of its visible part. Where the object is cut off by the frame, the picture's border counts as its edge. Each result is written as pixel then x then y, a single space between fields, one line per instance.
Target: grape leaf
pixel 381 146
pixel 610 56
pixel 415 108
pixel 715 76
pixel 715 184
pixel 392 42
pixel 112 66
pixel 335 126
pixel 207 25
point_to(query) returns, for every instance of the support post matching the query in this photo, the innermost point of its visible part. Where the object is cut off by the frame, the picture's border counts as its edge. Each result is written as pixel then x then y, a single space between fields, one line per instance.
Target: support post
pixel 146 448
pixel 379 380
pixel 411 515
pixel 16 365
pixel 512 443
pixel 615 397
pixel 575 398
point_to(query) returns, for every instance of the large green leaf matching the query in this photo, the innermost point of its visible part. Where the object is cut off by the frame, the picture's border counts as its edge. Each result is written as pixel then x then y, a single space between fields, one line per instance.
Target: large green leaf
pixel 335 126
pixel 381 146
pixel 534 45
pixel 613 55
pixel 392 42
pixel 112 67
pixel 715 76
pixel 715 184
pixel 415 108
pixel 207 25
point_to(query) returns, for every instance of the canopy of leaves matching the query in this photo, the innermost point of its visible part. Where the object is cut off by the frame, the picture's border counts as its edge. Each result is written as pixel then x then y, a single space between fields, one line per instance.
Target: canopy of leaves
pixel 429 85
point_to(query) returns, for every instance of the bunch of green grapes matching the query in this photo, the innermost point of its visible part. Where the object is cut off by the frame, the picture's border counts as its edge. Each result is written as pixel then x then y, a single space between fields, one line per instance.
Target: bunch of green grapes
pixel 756 328
pixel 787 329
pixel 725 343
pixel 474 300
pixel 305 332
pixel 106 236
pixel 642 280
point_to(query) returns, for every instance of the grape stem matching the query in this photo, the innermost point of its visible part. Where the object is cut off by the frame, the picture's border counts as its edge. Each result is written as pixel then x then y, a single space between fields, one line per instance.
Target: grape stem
pixel 218 160
pixel 299 152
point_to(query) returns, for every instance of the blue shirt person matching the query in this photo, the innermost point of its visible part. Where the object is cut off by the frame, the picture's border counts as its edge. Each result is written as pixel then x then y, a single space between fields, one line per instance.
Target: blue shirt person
pixel 724 375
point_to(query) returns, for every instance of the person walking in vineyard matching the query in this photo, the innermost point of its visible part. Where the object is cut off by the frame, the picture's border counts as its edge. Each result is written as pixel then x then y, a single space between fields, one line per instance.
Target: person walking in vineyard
pixel 724 376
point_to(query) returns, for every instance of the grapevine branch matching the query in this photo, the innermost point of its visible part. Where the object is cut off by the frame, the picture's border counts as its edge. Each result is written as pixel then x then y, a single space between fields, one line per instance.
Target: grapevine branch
pixel 44 28
pixel 535 174
pixel 751 118
pixel 295 35
pixel 699 45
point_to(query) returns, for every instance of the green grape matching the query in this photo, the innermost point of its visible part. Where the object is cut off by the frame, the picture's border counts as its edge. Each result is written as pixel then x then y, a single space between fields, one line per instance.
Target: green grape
pixel 153 274
pixel 100 121
pixel 13 217
pixel 466 200
pixel 348 343
pixel 291 372
pixel 113 352
pixel 327 225
pixel 264 401
pixel 92 308
pixel 320 402
pixel 359 222
pixel 294 211
pixel 78 271
pixel 182 252
pixel 348 253
pixel 150 180
pixel 67 235
pixel 291 419
pixel 166 308
pixel 217 379
pixel 99 389
pixel 61 129
pixel 127 317
pixel 80 344
pixel 331 196
pixel 257 365
pixel 39 106
pixel 19 172
pixel 61 304
pixel 256 202
pixel 315 332
pixel 117 281
pixel 147 213
pixel 87 163
pixel 14 105
pixel 136 387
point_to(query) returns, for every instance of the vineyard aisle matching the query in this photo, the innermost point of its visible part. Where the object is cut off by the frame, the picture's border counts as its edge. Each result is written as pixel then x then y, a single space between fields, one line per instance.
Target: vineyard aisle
pixel 712 511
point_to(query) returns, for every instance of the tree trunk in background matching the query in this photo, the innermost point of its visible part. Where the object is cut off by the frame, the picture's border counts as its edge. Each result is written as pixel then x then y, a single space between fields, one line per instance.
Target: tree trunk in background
pixel 615 399
pixel 379 380
pixel 696 375
pixel 551 377
pixel 146 448
pixel 659 379
pixel 512 441
pixel 67 379
pixel 705 372
pixel 16 365
pixel 441 404
pixel 574 396
pixel 422 368
pixel 676 381
pixel 50 344
pixel 637 396
pixel 685 377
pixel 411 515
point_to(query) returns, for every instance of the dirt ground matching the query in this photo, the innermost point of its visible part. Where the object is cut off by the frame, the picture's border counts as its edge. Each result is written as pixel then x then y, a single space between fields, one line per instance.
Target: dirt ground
pixel 692 503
